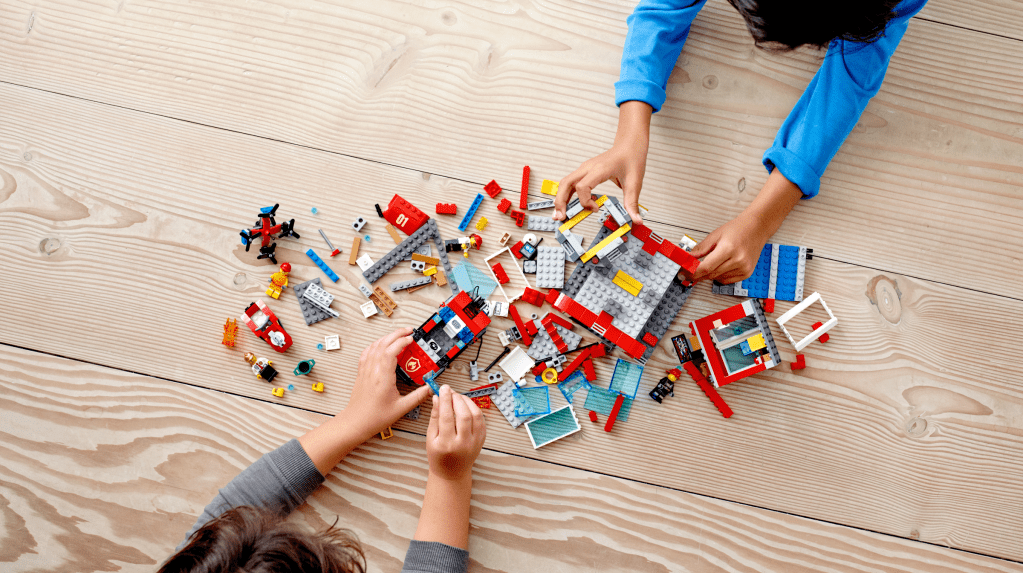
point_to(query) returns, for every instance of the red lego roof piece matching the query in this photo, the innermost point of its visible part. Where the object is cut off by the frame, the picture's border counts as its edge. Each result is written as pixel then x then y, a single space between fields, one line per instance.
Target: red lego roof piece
pixel 650 339
pixel 504 205
pixel 631 346
pixel 492 188
pixel 588 370
pixel 651 248
pixel 552 296
pixel 514 312
pixel 614 413
pixel 559 320
pixel 524 193
pixel 404 215
pixel 604 320
pixel 641 232
pixel 578 311
pixel 576 363
pixel 516 250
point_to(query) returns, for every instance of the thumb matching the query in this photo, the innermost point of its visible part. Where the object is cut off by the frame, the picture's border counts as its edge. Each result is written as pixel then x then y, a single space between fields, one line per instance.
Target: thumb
pixel 414 398
pixel 632 188
pixel 703 248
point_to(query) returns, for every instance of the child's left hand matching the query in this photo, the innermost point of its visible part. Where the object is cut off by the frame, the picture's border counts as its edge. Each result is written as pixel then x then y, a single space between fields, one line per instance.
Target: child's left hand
pixel 376 403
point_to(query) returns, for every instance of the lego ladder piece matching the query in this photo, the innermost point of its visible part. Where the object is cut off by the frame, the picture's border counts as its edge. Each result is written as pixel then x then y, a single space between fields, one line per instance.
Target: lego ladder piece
pixel 383 301
pixel 817 332
pixel 552 427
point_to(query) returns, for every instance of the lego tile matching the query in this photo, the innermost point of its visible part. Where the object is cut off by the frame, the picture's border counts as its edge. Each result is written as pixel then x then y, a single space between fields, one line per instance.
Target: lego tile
pixel 601 400
pixel 552 427
pixel 550 267
pixel 541 223
pixel 516 364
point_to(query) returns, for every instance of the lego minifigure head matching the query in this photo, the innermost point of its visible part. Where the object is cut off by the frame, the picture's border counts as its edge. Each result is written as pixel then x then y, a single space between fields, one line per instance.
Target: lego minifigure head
pixel 477 241
pixel 250 358
pixel 286 268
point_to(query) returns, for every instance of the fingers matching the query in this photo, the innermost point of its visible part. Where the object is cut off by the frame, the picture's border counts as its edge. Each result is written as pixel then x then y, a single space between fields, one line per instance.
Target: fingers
pixel 397 345
pixel 463 415
pixel 479 424
pixel 388 339
pixel 433 430
pixel 704 247
pixel 565 189
pixel 447 413
pixel 584 189
pixel 413 399
pixel 709 266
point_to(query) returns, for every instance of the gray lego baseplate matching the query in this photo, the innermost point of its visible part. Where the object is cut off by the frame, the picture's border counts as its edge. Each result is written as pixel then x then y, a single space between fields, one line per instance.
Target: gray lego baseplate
pixel 541 223
pixel 310 312
pixel 550 267
pixel 410 245
pixel 543 346
pixel 505 403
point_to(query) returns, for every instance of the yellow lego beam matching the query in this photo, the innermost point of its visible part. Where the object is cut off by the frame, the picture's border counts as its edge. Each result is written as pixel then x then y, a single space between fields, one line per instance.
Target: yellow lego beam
pixel 628 283
pixel 599 246
pixel 581 215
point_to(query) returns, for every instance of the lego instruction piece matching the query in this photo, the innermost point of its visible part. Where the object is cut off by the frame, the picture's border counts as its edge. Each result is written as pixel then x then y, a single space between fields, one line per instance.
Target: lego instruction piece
pixel 818 330
pixel 552 427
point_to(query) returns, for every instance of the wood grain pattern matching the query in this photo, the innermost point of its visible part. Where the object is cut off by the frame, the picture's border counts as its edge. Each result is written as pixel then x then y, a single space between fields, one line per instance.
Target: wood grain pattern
pixel 104 470
pixel 475 90
pixel 908 422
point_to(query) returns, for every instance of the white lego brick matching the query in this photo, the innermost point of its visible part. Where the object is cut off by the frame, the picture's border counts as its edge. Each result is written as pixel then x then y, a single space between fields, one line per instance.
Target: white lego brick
pixel 332 342
pixel 364 262
pixel 368 309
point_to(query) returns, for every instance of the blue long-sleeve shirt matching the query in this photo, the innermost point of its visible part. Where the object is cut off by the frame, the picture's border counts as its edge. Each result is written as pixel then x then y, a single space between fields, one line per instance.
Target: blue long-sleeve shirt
pixel 849 76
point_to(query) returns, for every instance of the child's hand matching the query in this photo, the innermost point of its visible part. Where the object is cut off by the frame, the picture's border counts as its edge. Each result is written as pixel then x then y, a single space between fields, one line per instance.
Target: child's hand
pixel 376 403
pixel 624 164
pixel 455 436
pixel 732 251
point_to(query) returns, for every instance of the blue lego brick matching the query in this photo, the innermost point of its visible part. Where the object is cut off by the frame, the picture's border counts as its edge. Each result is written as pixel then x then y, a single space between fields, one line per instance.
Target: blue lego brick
pixel 428 378
pixel 465 336
pixel 744 347
pixel 602 401
pixel 787 273
pixel 532 401
pixel 626 377
pixel 468 277
pixel 552 427
pixel 470 212
pixel 323 266
pixel 758 284
pixel 446 313
pixel 575 382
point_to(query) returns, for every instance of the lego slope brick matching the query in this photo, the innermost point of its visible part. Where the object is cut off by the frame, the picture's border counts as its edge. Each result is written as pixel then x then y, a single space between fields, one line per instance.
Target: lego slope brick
pixel 404 215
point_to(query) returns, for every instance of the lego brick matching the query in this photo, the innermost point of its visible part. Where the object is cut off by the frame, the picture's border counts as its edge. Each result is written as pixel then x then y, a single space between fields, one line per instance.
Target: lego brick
pixel 482 224
pixel 602 401
pixel 310 312
pixel 824 337
pixel 365 262
pixel 425 259
pixel 593 416
pixel 516 364
pixel 543 345
pixel 541 223
pixel 532 401
pixel 492 188
pixel 768 305
pixel 649 339
pixel 532 296
pixel 404 215
pixel 368 309
pixel 800 362
pixel 627 283
pixel 585 257
pixel 502 276
pixel 418 281
pixel 549 187
pixel 504 239
pixel 332 342
pixel 818 330
pixel 353 255
pixel 504 205
pixel 552 427
pixel 514 312
pixel 524 192
pixel 323 266
pixel 393 233
pixel 550 267
pixel 626 378
pixel 613 416
pixel 536 205
pixel 518 216
pixel 358 224
pixel 446 208
pixel 315 294
pixel 505 403
pixel 469 213
pixel 529 267
pixel 588 370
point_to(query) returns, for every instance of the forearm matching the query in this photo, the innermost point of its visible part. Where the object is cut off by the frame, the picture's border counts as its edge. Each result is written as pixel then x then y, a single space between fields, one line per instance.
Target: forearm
pixel 634 123
pixel 445 515
pixel 330 442
pixel 774 202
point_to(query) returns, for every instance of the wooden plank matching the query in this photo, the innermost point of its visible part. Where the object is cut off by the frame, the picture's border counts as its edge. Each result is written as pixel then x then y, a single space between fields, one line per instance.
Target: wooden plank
pixel 124 228
pixel 105 470
pixel 999 17
pixel 418 86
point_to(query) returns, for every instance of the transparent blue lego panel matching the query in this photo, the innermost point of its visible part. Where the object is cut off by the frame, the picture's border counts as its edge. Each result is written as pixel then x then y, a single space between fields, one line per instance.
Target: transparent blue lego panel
pixel 575 382
pixel 552 427
pixel 602 401
pixel 626 378
pixel 468 277
pixel 532 401
pixel 735 360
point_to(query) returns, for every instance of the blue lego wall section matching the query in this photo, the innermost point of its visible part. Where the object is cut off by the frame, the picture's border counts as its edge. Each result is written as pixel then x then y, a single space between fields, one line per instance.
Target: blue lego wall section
pixel 470 212
pixel 758 284
pixel 788 273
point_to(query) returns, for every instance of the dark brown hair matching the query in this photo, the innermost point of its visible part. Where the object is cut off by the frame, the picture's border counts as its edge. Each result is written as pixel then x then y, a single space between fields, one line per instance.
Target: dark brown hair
pixel 783 25
pixel 255 541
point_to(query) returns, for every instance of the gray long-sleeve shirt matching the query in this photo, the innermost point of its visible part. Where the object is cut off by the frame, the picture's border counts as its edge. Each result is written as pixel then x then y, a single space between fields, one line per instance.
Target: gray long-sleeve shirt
pixel 282 480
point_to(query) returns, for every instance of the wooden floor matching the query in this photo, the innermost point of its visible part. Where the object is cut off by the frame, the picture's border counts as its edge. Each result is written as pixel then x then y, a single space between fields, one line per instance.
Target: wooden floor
pixel 137 137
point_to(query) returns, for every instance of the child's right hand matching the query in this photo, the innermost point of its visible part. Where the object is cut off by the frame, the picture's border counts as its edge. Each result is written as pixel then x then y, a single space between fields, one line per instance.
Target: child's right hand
pixel 455 436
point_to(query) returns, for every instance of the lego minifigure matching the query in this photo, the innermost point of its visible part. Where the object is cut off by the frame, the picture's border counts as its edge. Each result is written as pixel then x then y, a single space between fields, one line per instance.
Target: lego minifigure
pixel 261 367
pixel 279 281
pixel 666 386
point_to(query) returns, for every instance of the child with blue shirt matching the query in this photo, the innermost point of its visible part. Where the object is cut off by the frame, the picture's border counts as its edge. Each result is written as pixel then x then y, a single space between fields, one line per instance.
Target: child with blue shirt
pixel 860 38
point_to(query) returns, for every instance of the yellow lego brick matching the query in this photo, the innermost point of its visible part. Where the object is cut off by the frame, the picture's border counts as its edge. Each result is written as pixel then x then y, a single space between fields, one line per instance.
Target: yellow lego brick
pixel 279 392
pixel 481 224
pixel 581 215
pixel 756 342
pixel 631 285
pixel 597 248
pixel 318 387
pixel 430 271
pixel 549 187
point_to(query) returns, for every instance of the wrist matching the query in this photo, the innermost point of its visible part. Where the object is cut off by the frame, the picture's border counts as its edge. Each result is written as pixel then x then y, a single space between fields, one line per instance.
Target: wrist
pixel 461 482
pixel 634 122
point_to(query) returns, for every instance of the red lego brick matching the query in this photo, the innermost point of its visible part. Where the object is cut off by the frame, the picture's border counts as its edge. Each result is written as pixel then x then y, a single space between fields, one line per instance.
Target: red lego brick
pixel 429 325
pixel 800 362
pixel 453 352
pixel 552 296
pixel 611 224
pixel 446 208
pixel 514 313
pixel 572 366
pixel 524 193
pixel 824 337
pixel 604 320
pixel 499 272
pixel 593 416
pixel 558 320
pixel 563 303
pixel 531 328
pixel 519 217
pixel 614 413
pixel 588 370
pixel 598 351
pixel 504 205
pixel 650 339
pixel 712 393
pixel 631 346
pixel 532 296
pixel 404 215
pixel 768 305
pixel 641 232
pixel 538 369
pixel 516 250
pixel 492 188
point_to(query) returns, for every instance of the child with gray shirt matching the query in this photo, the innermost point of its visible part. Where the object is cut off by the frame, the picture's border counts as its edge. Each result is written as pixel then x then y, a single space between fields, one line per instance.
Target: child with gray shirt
pixel 243 528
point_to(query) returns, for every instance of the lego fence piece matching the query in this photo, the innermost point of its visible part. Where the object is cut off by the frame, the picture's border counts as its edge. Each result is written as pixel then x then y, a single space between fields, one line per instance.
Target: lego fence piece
pixel 552 427
pixel 817 332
